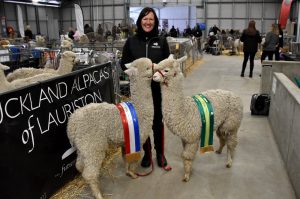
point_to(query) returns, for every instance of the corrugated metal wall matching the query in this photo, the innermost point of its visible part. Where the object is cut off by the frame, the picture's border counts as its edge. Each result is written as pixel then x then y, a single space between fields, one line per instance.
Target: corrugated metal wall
pixel 227 14
pixel 236 14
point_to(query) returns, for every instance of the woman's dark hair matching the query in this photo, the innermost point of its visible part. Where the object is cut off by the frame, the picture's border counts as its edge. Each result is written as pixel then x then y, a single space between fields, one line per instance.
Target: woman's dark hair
pixel 251 30
pixel 143 13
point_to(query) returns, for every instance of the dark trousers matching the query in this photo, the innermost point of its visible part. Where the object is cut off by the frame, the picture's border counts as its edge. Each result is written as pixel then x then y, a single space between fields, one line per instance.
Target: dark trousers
pixel 268 54
pixel 277 54
pixel 246 57
pixel 157 126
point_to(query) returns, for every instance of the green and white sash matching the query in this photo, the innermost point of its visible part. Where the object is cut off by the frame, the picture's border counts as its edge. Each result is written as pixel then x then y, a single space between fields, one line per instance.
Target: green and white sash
pixel 207 119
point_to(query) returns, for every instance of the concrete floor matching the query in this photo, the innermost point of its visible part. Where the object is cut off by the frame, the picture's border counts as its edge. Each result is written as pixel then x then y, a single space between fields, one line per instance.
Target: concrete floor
pixel 258 171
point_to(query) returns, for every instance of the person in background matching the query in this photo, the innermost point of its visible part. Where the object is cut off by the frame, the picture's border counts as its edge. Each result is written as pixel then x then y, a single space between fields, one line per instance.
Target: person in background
pixel 88 29
pixel 271 43
pixel 114 32
pixel 251 39
pixel 100 30
pixel 280 43
pixel 157 49
pixel 197 33
pixel 28 32
pixel 76 35
pixel 187 32
pixel 10 32
pixel 173 32
pixel 71 33
pixel 211 39
pixel 214 29
pixel 178 32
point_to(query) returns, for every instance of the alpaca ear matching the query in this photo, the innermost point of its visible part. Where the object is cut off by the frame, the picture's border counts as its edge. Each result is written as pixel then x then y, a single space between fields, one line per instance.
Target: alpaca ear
pixel 131 71
pixel 171 56
pixel 4 67
pixel 128 65
pixel 182 59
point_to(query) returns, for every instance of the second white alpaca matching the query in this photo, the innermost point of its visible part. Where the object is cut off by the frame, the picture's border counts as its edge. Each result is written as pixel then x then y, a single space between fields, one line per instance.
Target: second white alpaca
pixel 182 117
pixel 7 86
pixel 66 65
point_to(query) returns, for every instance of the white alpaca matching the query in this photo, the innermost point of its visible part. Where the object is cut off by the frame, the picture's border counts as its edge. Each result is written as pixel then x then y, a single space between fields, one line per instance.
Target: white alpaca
pixel 65 66
pixel 66 43
pixel 182 117
pixel 83 39
pixel 7 86
pixel 40 41
pixel 93 127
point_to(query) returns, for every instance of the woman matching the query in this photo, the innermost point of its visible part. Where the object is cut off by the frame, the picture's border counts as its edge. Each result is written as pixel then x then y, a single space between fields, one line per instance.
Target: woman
pixel 280 43
pixel 146 43
pixel 251 39
pixel 271 43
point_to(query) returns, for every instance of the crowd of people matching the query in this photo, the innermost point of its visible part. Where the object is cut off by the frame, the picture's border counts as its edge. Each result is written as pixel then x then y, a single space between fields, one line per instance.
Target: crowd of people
pixel 250 37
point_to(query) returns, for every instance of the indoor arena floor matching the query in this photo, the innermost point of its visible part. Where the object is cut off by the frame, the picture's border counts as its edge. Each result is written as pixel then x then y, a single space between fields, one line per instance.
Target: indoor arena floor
pixel 258 171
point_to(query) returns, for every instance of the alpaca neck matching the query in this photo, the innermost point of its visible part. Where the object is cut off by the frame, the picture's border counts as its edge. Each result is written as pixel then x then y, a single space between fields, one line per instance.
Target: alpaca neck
pixel 173 103
pixel 141 94
pixel 64 67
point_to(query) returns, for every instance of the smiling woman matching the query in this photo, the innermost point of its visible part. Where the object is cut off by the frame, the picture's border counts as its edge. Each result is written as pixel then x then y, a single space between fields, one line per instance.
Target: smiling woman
pixel 147 43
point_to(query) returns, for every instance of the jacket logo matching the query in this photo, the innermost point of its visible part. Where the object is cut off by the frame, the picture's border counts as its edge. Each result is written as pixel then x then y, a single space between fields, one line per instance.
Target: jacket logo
pixel 155 45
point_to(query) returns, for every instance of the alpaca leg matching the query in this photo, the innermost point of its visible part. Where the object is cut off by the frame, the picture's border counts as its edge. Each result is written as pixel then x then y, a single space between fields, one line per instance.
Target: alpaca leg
pixel 130 170
pixel 187 170
pixel 188 156
pixel 91 173
pixel 222 142
pixel 231 145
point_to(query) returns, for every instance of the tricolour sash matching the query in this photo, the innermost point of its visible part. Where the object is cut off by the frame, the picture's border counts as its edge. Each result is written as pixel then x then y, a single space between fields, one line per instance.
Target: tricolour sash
pixel 131 131
pixel 207 119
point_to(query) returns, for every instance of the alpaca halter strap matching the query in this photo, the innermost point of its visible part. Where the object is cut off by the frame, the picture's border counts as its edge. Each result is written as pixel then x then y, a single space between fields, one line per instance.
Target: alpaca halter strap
pixel 165 77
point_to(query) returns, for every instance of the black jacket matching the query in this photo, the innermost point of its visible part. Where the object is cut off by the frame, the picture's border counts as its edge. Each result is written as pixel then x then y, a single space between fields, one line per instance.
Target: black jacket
pixel 250 41
pixel 155 48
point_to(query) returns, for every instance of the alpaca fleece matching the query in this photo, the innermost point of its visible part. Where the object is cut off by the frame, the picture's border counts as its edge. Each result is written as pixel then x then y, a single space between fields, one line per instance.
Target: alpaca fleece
pixel 65 66
pixel 182 117
pixel 92 128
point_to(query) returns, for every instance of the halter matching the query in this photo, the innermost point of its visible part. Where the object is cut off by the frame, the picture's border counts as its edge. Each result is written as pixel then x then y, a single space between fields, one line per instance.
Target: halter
pixel 165 77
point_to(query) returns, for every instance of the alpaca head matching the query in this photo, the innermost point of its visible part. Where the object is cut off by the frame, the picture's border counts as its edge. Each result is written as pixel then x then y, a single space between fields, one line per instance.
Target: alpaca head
pixel 67 44
pixel 168 69
pixel 4 67
pixel 84 39
pixel 69 56
pixel 141 67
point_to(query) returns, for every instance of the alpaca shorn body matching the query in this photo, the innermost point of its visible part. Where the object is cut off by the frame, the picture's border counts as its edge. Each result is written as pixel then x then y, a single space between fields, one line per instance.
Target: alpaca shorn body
pixel 182 117
pixel 19 83
pixel 92 128
pixel 65 66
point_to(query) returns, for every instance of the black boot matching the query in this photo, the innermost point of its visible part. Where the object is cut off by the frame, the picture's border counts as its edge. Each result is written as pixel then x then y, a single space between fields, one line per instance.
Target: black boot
pixel 146 161
pixel 161 160
pixel 251 71
pixel 243 69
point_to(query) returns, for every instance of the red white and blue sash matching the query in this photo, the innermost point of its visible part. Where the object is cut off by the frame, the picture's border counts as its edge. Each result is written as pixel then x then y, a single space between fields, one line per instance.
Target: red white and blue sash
pixel 131 131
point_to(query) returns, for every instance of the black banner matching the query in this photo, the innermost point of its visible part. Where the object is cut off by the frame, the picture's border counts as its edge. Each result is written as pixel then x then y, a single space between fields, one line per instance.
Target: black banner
pixel 36 157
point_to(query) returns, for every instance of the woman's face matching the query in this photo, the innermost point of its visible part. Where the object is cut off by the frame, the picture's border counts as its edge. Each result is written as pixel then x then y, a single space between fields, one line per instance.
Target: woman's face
pixel 148 22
